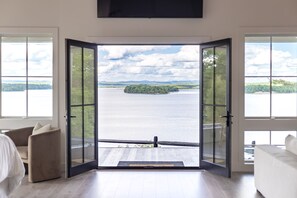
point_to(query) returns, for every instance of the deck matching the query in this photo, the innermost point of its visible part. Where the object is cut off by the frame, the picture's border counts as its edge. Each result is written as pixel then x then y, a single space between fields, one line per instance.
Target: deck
pixel 110 156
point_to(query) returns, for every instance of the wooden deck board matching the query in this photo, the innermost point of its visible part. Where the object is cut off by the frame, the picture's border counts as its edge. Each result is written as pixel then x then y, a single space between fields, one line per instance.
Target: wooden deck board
pixel 110 157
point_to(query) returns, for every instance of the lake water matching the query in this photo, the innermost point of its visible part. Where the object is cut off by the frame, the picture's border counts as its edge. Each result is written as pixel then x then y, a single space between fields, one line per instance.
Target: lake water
pixel 171 117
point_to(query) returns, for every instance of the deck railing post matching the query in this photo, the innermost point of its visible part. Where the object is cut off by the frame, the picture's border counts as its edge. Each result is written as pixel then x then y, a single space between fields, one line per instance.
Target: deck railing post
pixel 155 141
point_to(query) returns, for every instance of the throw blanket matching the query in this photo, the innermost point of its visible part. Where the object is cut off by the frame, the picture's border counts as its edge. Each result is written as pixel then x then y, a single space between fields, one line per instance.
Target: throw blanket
pixel 12 169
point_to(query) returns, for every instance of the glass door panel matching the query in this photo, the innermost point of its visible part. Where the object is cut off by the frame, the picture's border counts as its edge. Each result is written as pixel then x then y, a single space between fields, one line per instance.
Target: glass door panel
pixel 81 107
pixel 215 98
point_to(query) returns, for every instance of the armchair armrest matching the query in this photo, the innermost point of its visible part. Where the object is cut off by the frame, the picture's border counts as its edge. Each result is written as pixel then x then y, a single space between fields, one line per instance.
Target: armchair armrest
pixel 44 155
pixel 20 136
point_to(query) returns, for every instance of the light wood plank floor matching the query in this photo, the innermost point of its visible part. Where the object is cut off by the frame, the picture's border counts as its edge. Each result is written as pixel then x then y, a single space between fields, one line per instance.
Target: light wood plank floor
pixel 142 184
pixel 109 156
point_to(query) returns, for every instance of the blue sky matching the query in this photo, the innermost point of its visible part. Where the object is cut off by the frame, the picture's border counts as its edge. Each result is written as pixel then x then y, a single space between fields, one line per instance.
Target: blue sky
pixel 148 62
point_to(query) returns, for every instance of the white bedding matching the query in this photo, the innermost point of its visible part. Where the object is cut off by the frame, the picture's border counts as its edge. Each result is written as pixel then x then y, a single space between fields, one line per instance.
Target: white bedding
pixel 12 169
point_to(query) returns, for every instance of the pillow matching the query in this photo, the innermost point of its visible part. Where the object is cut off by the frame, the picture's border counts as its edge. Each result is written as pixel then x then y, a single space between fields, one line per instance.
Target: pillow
pixel 291 144
pixel 38 128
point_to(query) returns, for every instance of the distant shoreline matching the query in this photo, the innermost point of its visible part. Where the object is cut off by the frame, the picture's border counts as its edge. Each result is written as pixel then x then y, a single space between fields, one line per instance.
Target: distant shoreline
pixel 150 89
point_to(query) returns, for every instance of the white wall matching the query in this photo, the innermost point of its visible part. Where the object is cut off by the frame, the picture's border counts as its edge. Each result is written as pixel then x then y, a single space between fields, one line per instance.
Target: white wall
pixel 77 19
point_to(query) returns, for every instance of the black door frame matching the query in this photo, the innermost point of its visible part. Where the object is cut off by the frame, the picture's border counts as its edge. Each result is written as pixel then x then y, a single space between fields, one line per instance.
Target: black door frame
pixel 212 167
pixel 72 171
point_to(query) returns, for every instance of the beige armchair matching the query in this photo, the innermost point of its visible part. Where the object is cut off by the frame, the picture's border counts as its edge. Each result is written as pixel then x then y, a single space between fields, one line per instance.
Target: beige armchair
pixel 41 152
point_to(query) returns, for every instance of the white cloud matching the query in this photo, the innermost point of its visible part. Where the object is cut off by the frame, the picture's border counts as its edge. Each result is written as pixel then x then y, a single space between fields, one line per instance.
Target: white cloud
pixel 257 61
pixel 150 63
pixel 120 51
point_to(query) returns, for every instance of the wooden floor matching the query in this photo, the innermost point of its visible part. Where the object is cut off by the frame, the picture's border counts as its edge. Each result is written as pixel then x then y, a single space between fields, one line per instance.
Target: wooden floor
pixel 142 184
pixel 111 156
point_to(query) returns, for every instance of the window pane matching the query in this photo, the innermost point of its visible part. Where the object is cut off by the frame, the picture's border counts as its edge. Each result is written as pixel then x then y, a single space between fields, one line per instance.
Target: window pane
pixel 40 96
pixel 89 133
pixel 220 75
pixel 252 138
pixel 284 97
pixel 257 97
pixel 278 137
pixel 257 56
pixel 40 56
pixel 256 137
pixel 76 80
pixel 89 95
pixel 13 97
pixel 208 69
pixel 13 56
pixel 76 136
pixel 284 56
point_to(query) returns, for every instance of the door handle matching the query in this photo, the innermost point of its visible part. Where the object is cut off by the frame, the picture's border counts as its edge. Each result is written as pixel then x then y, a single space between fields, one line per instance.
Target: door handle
pixel 228 118
pixel 70 117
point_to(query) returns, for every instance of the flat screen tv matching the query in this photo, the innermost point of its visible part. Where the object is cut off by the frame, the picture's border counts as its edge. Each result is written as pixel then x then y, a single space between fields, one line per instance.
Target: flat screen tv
pixel 150 8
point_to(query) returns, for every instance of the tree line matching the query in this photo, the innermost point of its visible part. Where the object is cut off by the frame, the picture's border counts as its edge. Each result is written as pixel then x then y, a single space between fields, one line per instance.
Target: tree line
pixel 150 89
pixel 22 86
pixel 278 86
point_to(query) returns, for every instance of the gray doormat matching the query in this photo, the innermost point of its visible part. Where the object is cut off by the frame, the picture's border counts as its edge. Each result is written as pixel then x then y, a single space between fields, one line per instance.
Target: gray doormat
pixel 150 164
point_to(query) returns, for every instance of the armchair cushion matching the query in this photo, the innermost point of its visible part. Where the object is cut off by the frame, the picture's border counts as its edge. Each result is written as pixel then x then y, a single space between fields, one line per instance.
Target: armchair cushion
pixel 23 151
pixel 20 136
pixel 40 129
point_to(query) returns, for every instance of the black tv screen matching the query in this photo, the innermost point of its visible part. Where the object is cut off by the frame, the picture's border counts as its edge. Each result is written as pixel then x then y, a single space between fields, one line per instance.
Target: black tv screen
pixel 150 8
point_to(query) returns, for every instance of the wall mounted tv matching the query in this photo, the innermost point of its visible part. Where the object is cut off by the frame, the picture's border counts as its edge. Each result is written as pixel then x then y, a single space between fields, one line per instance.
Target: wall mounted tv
pixel 150 8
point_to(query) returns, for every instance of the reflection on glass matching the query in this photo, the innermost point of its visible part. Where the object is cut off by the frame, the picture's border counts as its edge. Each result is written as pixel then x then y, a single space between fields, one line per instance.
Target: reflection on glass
pixel 208 75
pixel 284 97
pixel 208 134
pixel 89 75
pixel 284 53
pixel 40 56
pixel 89 133
pixel 40 94
pixel 257 56
pixel 13 94
pixel 76 136
pixel 220 136
pixel 13 56
pixel 76 75
pixel 257 97
pixel 220 75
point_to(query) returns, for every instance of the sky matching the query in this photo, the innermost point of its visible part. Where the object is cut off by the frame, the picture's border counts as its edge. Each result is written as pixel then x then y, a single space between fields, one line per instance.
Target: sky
pixel 148 62
pixel 13 59
pixel 284 59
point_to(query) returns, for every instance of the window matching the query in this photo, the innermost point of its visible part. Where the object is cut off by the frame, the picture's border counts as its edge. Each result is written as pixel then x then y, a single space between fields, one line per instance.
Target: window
pixel 26 76
pixel 270 94
pixel 270 76
pixel 253 138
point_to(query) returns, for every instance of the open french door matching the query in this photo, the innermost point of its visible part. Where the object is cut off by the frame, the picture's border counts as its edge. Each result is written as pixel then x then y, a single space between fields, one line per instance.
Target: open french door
pixel 81 90
pixel 215 107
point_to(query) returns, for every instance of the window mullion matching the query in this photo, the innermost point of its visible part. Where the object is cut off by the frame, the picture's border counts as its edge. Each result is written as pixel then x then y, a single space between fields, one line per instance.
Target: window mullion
pixel 27 86
pixel 0 76
pixel 270 65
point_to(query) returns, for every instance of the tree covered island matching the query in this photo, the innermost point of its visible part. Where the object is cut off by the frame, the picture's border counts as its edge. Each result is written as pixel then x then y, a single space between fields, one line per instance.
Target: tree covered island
pixel 150 89
pixel 23 87
pixel 277 86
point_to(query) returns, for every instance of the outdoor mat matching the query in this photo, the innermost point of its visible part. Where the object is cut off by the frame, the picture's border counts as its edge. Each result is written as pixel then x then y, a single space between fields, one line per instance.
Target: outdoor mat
pixel 150 164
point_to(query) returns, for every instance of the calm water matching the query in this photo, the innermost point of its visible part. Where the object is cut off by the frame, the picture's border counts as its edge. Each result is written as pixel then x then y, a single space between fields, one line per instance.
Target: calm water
pixel 171 117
